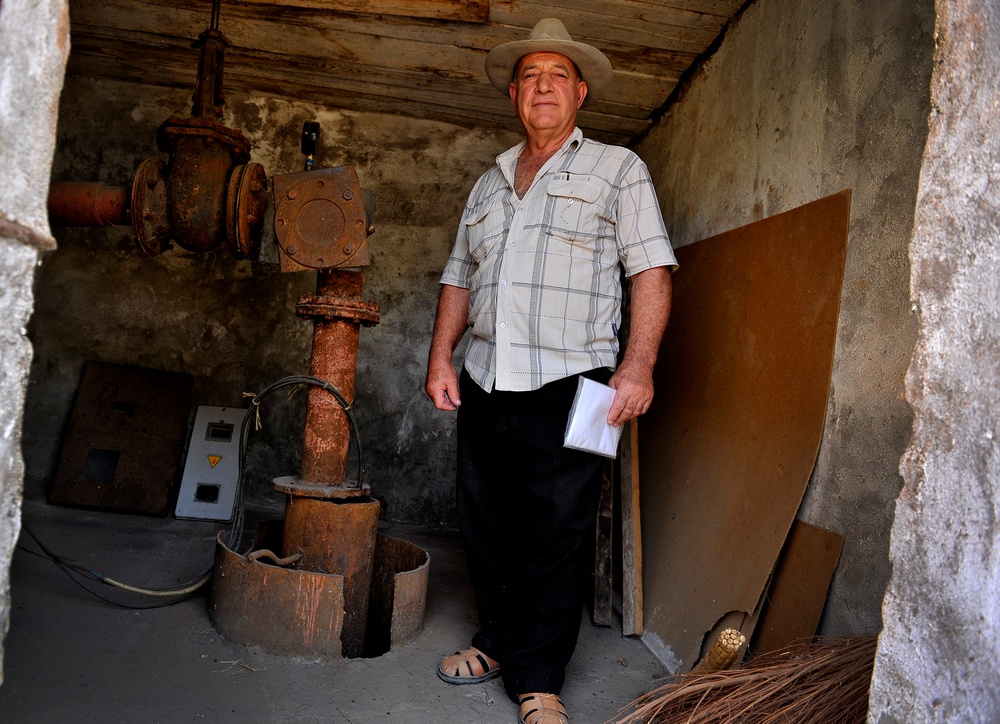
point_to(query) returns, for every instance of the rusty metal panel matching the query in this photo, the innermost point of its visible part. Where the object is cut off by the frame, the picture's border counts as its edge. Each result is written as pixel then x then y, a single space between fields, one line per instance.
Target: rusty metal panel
pixel 729 444
pixel 125 438
pixel 398 594
pixel 288 612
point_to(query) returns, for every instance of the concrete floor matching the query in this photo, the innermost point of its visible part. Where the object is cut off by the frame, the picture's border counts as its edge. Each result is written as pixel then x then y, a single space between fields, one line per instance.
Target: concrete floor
pixel 73 658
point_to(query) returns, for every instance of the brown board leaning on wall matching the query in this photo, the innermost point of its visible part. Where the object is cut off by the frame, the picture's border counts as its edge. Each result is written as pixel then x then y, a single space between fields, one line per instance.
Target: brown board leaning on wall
pixel 799 587
pixel 741 391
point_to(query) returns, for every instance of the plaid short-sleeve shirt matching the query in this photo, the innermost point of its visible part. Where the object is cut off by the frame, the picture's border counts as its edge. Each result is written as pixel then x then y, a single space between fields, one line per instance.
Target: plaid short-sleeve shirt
pixel 544 272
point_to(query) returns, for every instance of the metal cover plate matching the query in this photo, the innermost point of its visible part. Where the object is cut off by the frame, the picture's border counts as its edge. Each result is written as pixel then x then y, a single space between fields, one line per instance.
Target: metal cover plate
pixel 124 441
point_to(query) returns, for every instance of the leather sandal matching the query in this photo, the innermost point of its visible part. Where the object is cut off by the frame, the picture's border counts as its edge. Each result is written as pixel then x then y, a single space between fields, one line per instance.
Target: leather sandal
pixel 470 666
pixel 542 709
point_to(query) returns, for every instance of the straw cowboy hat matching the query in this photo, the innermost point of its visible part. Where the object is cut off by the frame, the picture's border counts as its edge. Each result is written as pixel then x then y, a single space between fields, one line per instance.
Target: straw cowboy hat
pixel 550 35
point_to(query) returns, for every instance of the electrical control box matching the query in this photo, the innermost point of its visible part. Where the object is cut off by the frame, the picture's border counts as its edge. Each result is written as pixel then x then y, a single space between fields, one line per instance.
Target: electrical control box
pixel 212 470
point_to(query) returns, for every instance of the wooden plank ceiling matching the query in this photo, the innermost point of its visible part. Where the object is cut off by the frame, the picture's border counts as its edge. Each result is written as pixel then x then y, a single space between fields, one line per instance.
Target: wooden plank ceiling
pixel 418 58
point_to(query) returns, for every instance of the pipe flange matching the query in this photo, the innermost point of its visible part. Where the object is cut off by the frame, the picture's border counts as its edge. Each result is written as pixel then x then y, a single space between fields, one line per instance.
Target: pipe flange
pixel 246 203
pixel 149 208
pixel 176 129
pixel 293 485
pixel 338 308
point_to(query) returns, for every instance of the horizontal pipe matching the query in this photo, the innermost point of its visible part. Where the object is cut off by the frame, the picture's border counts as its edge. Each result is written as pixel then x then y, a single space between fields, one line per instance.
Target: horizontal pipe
pixel 87 203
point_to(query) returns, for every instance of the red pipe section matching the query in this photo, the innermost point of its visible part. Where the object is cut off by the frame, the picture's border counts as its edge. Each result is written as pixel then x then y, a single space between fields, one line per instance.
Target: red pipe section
pixel 87 203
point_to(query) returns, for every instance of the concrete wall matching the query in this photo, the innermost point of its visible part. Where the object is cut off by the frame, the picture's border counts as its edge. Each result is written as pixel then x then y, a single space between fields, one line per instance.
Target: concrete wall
pixel 232 324
pixel 938 652
pixel 34 44
pixel 805 98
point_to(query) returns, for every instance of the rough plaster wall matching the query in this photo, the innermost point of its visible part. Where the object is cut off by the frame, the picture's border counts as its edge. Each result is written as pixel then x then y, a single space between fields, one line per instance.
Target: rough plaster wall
pixel 938 653
pixel 232 324
pixel 805 98
pixel 34 43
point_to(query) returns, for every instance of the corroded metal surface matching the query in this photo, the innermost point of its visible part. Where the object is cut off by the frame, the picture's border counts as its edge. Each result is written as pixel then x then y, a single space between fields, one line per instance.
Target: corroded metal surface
pixel 334 358
pixel 398 595
pixel 149 208
pixel 320 220
pixel 294 485
pixel 337 538
pixel 203 154
pixel 296 612
pixel 208 96
pixel 246 204
pixel 355 311
pixel 283 611
pixel 327 432
pixel 87 203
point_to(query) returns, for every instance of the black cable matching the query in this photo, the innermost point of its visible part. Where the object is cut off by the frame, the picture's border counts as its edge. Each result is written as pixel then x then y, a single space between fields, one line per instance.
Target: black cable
pixel 290 381
pixel 72 570
pixel 186 590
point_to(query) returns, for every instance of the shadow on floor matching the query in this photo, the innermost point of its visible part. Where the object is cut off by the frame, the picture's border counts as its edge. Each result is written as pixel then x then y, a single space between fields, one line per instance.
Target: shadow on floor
pixel 70 657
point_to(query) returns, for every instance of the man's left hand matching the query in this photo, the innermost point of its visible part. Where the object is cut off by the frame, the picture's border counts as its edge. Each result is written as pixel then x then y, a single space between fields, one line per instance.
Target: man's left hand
pixel 633 393
pixel 650 310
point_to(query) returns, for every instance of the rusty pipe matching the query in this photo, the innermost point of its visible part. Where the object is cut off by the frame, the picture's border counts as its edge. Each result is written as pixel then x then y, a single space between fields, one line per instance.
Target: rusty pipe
pixel 87 203
pixel 338 312
pixel 337 538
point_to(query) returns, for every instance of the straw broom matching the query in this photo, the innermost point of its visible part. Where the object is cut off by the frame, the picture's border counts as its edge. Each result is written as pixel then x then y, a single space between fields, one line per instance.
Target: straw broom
pixel 825 682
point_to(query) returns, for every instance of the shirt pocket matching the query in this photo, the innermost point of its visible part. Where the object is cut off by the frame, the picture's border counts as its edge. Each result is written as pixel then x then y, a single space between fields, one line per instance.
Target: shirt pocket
pixel 575 210
pixel 484 226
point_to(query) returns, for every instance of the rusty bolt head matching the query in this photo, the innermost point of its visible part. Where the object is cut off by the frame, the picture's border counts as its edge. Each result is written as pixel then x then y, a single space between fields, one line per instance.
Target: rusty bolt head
pixel 348 249
pixel 348 195
pixel 293 250
pixel 292 194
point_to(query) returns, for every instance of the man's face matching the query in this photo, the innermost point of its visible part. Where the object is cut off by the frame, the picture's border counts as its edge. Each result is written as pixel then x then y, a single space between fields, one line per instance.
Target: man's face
pixel 547 91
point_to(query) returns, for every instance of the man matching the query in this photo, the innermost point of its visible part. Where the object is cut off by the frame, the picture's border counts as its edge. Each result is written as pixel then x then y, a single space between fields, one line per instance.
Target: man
pixel 535 277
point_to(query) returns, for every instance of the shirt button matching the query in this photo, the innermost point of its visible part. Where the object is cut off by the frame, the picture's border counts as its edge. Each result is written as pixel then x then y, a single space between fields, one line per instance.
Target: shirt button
pixel 503 282
pixel 570 202
pixel 503 325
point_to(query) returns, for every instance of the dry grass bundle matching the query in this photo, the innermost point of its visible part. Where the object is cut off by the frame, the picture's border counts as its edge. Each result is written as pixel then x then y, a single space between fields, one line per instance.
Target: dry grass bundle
pixel 823 682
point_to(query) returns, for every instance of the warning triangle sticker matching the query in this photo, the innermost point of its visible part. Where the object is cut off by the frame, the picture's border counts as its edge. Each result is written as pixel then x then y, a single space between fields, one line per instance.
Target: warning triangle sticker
pixel 213 460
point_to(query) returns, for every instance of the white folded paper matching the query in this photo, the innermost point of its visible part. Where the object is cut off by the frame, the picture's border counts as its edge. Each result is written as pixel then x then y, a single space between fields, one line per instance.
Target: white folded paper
pixel 587 427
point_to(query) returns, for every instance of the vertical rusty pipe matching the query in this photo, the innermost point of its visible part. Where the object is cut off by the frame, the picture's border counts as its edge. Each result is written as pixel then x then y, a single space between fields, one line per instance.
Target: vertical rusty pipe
pixel 334 358
pixel 87 203
pixel 337 538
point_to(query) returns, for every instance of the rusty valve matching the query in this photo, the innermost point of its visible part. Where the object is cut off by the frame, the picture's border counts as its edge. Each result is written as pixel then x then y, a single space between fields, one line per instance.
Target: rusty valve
pixel 208 192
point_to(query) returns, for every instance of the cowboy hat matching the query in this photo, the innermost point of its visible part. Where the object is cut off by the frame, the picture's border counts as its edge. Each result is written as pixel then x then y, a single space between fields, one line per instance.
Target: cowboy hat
pixel 550 36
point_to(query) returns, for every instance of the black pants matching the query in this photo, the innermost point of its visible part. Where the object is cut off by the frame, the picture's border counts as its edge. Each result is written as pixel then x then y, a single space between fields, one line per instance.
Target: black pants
pixel 526 509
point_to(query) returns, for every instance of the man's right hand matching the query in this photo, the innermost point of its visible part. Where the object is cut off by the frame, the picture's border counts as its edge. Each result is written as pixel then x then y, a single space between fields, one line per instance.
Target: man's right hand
pixel 442 386
pixel 449 326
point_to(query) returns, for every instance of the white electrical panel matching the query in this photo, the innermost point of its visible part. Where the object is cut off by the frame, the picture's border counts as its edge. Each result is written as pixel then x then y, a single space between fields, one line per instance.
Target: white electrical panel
pixel 212 470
